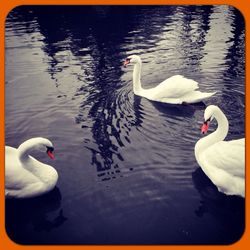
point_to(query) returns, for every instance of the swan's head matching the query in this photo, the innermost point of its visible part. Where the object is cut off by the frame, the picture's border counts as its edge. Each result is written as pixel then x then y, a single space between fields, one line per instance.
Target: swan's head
pixel 50 152
pixel 134 59
pixel 38 143
pixel 48 145
pixel 209 115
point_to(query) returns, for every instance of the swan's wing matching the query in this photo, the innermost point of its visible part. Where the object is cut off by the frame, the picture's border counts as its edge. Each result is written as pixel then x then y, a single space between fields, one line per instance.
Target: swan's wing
pixel 16 177
pixel 228 156
pixel 175 87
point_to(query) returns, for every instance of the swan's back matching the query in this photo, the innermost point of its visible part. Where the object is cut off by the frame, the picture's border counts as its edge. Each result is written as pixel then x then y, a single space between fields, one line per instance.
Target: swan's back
pixel 224 164
pixel 228 156
pixel 172 89
pixel 176 86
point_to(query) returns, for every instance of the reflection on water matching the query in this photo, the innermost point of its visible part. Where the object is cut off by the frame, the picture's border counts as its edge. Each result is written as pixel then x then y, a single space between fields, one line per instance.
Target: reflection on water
pixel 35 212
pixel 217 204
pixel 121 158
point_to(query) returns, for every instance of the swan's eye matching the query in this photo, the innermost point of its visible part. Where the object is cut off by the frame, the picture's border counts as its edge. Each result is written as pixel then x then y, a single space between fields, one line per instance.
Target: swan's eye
pixel 127 60
pixel 208 120
pixel 51 149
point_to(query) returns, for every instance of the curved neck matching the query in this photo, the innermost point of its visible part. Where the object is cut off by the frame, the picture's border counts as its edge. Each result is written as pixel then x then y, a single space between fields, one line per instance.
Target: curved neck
pixel 25 148
pixel 137 78
pixel 218 135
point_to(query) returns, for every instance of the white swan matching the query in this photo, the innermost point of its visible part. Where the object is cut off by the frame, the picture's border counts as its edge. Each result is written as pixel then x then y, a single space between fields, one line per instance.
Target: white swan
pixel 174 90
pixel 26 177
pixel 222 161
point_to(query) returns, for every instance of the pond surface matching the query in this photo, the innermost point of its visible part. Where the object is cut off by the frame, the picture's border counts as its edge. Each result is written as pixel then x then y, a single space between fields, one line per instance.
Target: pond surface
pixel 127 170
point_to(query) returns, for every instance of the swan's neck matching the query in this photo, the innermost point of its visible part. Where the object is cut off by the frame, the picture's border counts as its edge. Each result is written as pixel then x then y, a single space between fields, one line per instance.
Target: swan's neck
pixel 26 147
pixel 45 173
pixel 137 78
pixel 218 135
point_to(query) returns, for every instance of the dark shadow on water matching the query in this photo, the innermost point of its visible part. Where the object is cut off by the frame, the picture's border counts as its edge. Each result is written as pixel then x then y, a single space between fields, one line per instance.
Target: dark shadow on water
pixel 183 110
pixel 111 131
pixel 227 210
pixel 201 15
pixel 21 213
pixel 235 57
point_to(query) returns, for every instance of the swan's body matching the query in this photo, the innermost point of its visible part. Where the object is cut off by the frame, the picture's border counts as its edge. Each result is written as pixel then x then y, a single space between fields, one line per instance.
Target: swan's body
pixel 174 90
pixel 26 177
pixel 222 161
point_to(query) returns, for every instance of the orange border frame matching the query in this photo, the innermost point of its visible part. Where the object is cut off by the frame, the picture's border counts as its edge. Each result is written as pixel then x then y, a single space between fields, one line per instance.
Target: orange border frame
pixel 5 7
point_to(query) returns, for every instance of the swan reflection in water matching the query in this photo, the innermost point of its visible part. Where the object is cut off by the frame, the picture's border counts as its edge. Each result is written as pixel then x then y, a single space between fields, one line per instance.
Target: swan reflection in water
pixel 175 110
pixel 227 210
pixel 112 119
pixel 38 212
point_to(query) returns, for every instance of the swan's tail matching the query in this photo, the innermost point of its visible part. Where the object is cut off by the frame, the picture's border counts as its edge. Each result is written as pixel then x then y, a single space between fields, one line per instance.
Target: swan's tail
pixel 197 96
pixel 206 95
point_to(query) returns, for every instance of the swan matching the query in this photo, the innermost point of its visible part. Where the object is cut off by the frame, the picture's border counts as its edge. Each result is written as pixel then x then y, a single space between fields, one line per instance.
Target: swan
pixel 26 177
pixel 174 90
pixel 222 161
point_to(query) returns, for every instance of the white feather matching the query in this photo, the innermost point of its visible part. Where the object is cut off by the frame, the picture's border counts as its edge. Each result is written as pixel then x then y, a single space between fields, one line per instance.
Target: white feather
pixel 222 161
pixel 26 177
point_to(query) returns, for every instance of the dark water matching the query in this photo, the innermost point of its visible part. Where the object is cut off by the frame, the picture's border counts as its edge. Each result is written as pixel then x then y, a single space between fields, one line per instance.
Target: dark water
pixel 127 171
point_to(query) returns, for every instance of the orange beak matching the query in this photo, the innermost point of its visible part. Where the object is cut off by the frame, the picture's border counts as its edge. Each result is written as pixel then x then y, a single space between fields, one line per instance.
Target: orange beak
pixel 126 62
pixel 204 127
pixel 50 154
